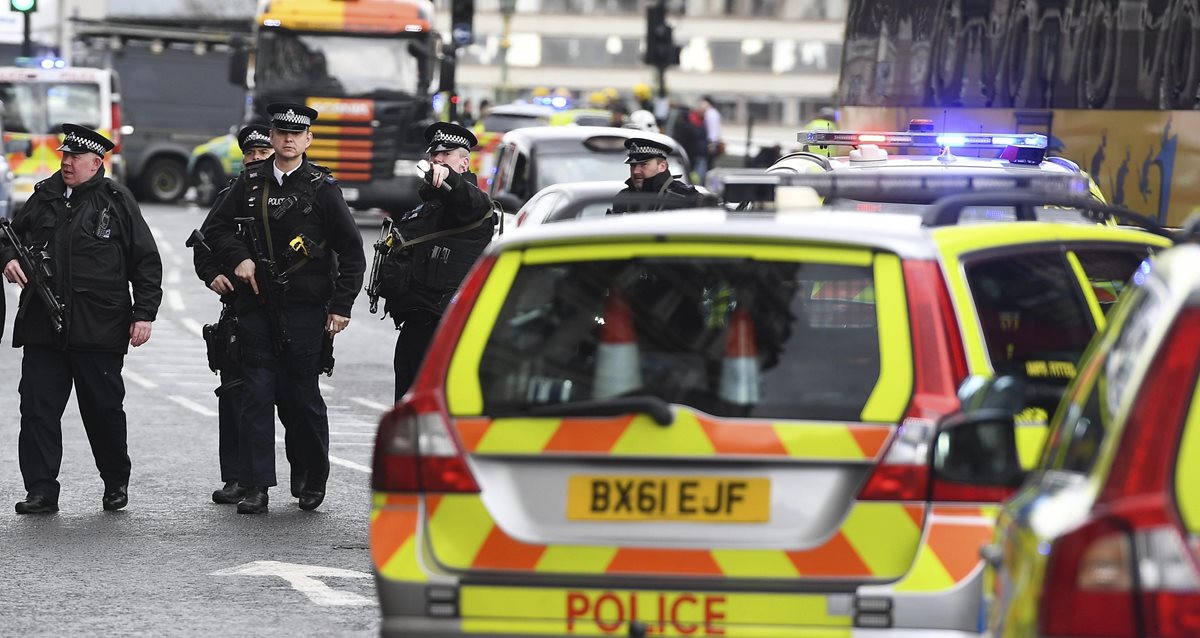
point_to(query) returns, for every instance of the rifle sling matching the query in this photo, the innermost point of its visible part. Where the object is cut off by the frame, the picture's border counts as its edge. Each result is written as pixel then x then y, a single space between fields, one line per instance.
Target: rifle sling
pixel 296 265
pixel 444 233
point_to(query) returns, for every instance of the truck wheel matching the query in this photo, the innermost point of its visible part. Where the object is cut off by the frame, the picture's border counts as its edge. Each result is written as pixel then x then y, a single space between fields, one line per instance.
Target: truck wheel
pixel 164 180
pixel 208 178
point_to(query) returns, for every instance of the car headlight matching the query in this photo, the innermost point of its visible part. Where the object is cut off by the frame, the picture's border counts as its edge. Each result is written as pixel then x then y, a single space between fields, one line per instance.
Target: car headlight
pixel 405 168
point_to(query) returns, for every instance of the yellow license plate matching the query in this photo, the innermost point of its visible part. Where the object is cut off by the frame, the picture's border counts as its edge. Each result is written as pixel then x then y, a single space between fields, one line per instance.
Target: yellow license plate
pixel 669 498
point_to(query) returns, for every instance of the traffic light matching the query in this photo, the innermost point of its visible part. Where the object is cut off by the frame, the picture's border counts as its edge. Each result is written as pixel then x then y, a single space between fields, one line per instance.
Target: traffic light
pixel 23 6
pixel 660 38
pixel 462 15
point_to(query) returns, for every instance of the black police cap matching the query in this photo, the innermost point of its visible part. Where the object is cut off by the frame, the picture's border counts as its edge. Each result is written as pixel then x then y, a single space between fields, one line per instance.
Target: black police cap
pixel 641 149
pixel 443 136
pixel 289 116
pixel 254 136
pixel 81 139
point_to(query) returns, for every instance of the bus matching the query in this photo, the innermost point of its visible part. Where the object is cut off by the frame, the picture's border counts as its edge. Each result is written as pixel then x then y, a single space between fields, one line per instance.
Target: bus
pixel 1113 83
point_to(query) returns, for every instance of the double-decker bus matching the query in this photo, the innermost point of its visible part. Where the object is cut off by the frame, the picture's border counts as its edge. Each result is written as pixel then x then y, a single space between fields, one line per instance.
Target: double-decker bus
pixel 1112 83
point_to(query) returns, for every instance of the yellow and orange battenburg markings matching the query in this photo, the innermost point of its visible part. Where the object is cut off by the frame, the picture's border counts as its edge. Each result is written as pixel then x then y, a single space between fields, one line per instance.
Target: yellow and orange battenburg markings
pixel 44 157
pixel 362 16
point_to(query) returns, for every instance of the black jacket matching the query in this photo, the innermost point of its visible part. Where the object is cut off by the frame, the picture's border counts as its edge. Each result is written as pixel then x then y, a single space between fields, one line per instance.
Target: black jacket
pixel 661 192
pixel 94 269
pixel 316 210
pixel 440 265
pixel 206 264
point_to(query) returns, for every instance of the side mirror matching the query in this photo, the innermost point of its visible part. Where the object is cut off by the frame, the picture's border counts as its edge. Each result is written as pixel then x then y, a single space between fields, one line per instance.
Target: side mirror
pixel 22 146
pixel 239 63
pixel 509 202
pixel 975 452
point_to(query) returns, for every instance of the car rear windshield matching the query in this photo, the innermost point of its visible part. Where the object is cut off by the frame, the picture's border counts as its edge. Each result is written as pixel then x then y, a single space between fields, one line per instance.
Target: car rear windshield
pixel 730 337
pixel 557 168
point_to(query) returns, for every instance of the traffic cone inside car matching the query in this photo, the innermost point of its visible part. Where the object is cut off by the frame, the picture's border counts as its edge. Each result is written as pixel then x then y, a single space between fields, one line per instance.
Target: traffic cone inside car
pixel 617 370
pixel 740 383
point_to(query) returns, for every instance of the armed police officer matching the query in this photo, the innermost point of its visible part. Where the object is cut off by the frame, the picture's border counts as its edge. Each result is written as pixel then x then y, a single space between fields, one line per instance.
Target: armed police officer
pixel 285 231
pixel 441 239
pixel 99 248
pixel 650 186
pixel 255 142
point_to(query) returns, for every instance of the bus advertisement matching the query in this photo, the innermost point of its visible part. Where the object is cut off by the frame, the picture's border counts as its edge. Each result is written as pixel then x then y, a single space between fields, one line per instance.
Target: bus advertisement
pixel 1112 83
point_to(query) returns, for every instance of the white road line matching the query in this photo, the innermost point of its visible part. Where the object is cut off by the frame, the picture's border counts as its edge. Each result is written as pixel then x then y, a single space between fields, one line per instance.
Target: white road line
pixel 374 405
pixel 175 300
pixel 339 461
pixel 139 379
pixel 176 260
pixel 351 434
pixel 192 326
pixel 172 276
pixel 325 387
pixel 192 405
pixel 352 444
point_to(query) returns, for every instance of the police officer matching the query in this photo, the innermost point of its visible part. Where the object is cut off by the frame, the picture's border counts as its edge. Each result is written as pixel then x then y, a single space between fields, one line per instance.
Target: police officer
pixel 448 232
pixel 306 231
pixel 826 120
pixel 650 186
pixel 100 248
pixel 255 142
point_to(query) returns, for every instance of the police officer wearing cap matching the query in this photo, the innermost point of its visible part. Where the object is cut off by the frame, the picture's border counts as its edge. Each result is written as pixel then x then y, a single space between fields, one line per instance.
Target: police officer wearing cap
pixel 447 233
pixel 297 209
pixel 650 186
pixel 100 249
pixel 255 142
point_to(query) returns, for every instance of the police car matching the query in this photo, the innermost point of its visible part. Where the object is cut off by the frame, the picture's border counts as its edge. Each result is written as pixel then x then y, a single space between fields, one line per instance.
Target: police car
pixel 707 422
pixel 1109 520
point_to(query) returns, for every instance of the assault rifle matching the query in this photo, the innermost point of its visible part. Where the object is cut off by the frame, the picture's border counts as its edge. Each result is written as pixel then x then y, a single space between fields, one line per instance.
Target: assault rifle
pixel 220 338
pixel 272 283
pixel 35 264
pixel 383 246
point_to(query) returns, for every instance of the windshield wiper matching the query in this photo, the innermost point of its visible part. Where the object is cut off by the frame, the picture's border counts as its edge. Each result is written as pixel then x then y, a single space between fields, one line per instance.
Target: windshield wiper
pixel 652 406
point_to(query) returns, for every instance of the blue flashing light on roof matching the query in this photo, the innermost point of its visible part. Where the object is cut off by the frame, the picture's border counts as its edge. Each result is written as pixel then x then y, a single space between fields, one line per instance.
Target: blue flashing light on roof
pixel 919 139
pixel 951 140
pixel 41 63
pixel 558 102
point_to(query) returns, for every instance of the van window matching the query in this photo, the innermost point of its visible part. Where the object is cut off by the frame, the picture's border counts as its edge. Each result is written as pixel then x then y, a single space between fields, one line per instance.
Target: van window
pixel 41 108
pixel 77 103
pixel 814 352
pixel 1108 270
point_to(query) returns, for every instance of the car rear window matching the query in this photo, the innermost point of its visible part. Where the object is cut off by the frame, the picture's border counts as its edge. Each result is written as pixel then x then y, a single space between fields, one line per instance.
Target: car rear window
pixel 557 168
pixel 815 350
pixel 1033 314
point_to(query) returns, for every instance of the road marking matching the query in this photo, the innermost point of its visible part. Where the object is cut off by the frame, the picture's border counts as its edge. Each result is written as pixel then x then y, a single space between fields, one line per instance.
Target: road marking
pixel 172 276
pixel 374 405
pixel 351 434
pixel 352 443
pixel 176 260
pixel 325 387
pixel 175 300
pixel 338 461
pixel 139 379
pixel 192 405
pixel 192 326
pixel 303 578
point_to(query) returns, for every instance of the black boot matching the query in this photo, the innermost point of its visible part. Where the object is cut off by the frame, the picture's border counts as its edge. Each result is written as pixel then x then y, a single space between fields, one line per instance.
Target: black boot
pixel 115 498
pixel 37 504
pixel 230 494
pixel 254 501
pixel 299 476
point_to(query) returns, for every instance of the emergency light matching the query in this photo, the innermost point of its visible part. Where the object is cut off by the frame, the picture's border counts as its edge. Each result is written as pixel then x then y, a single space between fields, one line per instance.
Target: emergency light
pixel 921 139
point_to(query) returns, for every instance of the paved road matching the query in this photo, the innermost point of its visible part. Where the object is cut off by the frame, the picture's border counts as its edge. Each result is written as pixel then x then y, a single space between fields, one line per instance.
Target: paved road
pixel 173 562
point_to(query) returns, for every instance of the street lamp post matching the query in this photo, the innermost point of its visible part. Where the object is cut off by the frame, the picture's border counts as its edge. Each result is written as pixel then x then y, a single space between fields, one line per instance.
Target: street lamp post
pixel 507 8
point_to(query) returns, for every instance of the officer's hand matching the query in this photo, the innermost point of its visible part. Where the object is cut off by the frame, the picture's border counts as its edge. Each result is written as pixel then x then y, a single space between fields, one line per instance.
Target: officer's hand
pixel 221 285
pixel 438 174
pixel 245 272
pixel 139 333
pixel 14 274
pixel 336 323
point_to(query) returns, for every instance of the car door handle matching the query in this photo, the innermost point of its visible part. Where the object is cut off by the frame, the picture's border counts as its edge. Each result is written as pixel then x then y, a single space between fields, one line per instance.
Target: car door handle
pixel 991 554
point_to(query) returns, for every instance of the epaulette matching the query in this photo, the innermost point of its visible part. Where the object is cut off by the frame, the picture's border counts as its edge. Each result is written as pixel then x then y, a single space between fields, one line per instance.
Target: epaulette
pixel 320 172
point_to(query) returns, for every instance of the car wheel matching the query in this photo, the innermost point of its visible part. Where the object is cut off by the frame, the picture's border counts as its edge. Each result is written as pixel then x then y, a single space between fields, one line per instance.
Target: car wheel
pixel 164 180
pixel 208 178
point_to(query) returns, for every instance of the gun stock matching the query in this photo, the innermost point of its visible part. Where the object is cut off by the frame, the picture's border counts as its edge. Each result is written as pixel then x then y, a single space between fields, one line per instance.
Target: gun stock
pixel 383 246
pixel 272 284
pixel 36 266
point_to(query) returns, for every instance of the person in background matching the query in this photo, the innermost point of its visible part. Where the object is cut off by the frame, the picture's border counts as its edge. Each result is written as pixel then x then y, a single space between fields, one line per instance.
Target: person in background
pixel 712 134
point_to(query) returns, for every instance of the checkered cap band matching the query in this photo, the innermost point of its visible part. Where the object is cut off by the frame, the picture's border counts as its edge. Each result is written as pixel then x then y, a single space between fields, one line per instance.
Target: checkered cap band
pixel 82 142
pixel 646 150
pixel 442 137
pixel 292 117
pixel 255 136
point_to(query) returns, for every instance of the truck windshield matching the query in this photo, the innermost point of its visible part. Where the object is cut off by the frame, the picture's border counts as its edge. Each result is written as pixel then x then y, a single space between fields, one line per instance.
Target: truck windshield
pixel 335 65
pixel 40 108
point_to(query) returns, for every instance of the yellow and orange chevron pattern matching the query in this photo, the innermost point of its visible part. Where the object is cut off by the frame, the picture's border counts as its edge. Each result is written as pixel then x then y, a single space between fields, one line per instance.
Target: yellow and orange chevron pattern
pixel 375 16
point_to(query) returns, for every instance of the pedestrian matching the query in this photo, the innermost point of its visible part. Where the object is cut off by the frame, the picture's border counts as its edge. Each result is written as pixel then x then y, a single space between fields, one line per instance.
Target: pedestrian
pixel 100 248
pixel 306 237
pixel 650 186
pixel 714 148
pixel 255 142
pixel 443 237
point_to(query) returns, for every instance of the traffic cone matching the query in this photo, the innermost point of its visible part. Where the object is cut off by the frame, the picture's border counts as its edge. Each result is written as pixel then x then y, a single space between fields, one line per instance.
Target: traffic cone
pixel 617 370
pixel 740 383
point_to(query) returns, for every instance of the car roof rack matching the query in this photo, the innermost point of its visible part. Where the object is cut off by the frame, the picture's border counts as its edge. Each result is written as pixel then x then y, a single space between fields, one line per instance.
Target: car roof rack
pixel 947 211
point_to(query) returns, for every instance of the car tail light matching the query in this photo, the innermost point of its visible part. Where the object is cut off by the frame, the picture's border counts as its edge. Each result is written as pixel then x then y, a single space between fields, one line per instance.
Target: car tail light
pixel 938 367
pixel 415 448
pixel 1131 565
pixel 116 127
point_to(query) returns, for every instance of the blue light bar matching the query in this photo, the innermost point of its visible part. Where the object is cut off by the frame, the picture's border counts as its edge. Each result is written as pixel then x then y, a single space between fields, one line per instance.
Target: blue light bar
pixel 918 139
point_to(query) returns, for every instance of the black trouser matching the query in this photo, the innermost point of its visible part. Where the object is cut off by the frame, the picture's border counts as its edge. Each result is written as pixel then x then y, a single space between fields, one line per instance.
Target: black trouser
pixel 416 333
pixel 47 375
pixel 288 380
pixel 229 407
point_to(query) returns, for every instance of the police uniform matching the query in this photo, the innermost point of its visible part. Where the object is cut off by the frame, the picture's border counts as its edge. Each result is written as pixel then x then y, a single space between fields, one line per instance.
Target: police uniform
pixel 100 248
pixel 464 214
pixel 660 192
pixel 315 244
